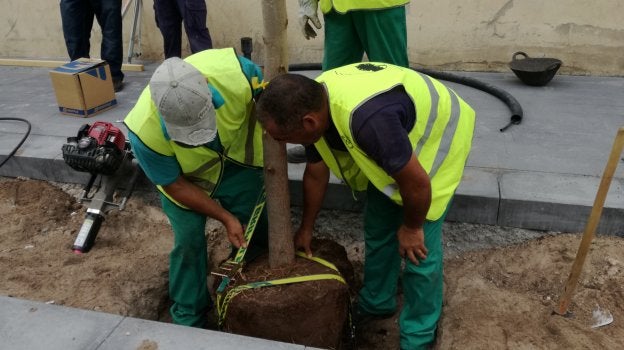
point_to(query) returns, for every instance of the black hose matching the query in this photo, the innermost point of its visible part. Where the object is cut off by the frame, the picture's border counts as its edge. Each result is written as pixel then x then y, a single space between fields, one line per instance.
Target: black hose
pixel 21 142
pixel 304 66
pixel 504 96
pixel 507 98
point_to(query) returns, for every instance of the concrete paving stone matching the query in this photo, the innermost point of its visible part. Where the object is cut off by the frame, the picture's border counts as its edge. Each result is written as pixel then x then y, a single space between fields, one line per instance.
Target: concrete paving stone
pixel 338 196
pixel 477 198
pixel 488 152
pixel 15 75
pixel 558 202
pixel 134 334
pixel 28 325
pixel 35 146
pixel 31 325
pixel 34 168
pixel 573 156
pixel 31 90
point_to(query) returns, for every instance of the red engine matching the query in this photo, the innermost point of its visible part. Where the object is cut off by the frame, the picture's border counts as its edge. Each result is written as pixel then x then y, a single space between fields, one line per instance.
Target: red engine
pixel 97 149
pixel 104 132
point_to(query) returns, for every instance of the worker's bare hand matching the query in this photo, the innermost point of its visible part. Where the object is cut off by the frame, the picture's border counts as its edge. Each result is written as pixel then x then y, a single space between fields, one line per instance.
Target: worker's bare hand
pixel 303 240
pixel 235 232
pixel 412 244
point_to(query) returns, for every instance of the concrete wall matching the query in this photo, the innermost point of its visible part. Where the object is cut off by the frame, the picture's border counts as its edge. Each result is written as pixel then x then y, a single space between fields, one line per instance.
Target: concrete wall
pixel 481 35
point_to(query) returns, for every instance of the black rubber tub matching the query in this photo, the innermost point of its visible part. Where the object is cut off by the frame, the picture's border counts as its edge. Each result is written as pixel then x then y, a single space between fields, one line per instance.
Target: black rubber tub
pixel 534 71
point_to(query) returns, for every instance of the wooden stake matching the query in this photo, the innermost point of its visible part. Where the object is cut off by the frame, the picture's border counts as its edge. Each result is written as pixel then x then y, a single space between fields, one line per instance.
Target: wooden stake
pixel 592 223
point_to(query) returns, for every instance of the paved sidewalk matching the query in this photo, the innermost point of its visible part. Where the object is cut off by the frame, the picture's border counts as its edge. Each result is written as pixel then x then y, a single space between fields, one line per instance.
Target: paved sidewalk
pixel 542 174
pixel 29 325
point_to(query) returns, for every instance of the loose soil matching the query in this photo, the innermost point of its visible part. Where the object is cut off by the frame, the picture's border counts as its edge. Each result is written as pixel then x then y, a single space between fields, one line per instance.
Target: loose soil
pixel 501 284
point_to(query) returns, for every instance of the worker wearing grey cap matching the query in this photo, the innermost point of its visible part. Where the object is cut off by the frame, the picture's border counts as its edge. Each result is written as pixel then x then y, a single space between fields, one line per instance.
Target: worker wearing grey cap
pixel 193 134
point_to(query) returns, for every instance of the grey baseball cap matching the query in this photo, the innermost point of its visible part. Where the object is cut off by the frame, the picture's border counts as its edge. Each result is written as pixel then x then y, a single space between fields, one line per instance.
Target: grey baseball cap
pixel 184 101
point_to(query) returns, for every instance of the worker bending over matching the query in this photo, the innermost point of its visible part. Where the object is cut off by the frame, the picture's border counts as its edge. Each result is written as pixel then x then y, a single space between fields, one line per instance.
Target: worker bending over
pixel 194 135
pixel 402 137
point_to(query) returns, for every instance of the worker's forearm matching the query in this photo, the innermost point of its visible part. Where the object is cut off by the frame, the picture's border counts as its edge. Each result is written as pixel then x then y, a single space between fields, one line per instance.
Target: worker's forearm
pixel 415 189
pixel 315 179
pixel 416 204
pixel 193 197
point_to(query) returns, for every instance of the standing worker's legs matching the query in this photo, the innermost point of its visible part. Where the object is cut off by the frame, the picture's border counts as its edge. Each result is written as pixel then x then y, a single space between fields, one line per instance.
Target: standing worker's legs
pixel 108 14
pixel 194 13
pixel 77 18
pixel 188 265
pixel 169 21
pixel 238 193
pixel 383 33
pixel 422 291
pixel 342 44
pixel 382 263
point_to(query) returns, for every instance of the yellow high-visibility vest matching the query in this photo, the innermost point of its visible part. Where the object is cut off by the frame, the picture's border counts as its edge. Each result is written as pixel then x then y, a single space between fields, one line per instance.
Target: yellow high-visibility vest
pixel 343 6
pixel 239 132
pixel 441 137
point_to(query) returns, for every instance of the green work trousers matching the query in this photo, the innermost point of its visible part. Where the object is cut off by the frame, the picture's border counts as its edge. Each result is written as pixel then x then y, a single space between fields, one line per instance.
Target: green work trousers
pixel 422 284
pixel 188 261
pixel 382 34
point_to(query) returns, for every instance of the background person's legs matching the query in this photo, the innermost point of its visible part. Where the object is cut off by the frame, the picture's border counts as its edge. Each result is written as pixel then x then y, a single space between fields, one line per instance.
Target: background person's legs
pixel 383 34
pixel 194 13
pixel 108 14
pixel 169 21
pixel 77 18
pixel 342 44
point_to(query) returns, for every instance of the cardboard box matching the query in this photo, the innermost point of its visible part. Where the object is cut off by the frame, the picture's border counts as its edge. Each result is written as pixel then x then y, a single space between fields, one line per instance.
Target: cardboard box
pixel 83 87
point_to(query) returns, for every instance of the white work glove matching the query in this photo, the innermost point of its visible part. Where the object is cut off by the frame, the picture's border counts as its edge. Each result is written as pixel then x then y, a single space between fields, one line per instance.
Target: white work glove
pixel 307 11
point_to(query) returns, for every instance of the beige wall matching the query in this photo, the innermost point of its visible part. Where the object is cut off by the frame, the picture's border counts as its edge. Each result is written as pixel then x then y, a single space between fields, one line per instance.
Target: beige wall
pixel 588 36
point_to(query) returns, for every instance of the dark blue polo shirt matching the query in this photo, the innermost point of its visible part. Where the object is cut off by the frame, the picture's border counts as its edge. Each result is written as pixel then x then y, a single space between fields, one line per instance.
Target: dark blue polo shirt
pixel 380 128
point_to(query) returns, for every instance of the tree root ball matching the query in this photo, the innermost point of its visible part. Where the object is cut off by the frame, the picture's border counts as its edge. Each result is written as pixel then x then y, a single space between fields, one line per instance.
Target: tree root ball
pixel 312 313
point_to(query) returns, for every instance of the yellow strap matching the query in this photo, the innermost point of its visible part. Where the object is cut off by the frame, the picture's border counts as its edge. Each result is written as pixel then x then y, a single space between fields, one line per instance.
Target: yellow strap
pixel 318 260
pixel 255 84
pixel 224 301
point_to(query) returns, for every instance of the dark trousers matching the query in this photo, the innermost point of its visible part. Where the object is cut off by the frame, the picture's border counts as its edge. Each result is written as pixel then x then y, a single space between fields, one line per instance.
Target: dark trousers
pixel 169 17
pixel 77 17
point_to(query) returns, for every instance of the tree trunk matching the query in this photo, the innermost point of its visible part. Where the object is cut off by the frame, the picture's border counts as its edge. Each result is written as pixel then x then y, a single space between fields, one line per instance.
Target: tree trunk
pixel 281 246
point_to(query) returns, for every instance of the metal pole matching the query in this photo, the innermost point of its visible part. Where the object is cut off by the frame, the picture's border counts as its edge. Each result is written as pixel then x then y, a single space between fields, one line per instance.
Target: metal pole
pixel 137 9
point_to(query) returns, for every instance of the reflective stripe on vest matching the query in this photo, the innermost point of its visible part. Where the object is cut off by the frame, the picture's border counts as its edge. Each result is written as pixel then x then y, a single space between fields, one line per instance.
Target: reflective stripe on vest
pixel 201 166
pixel 343 6
pixel 441 136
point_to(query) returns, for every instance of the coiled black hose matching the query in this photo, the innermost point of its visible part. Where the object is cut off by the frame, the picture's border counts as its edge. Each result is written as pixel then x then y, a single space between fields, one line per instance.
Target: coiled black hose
pixel 504 96
pixel 21 142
